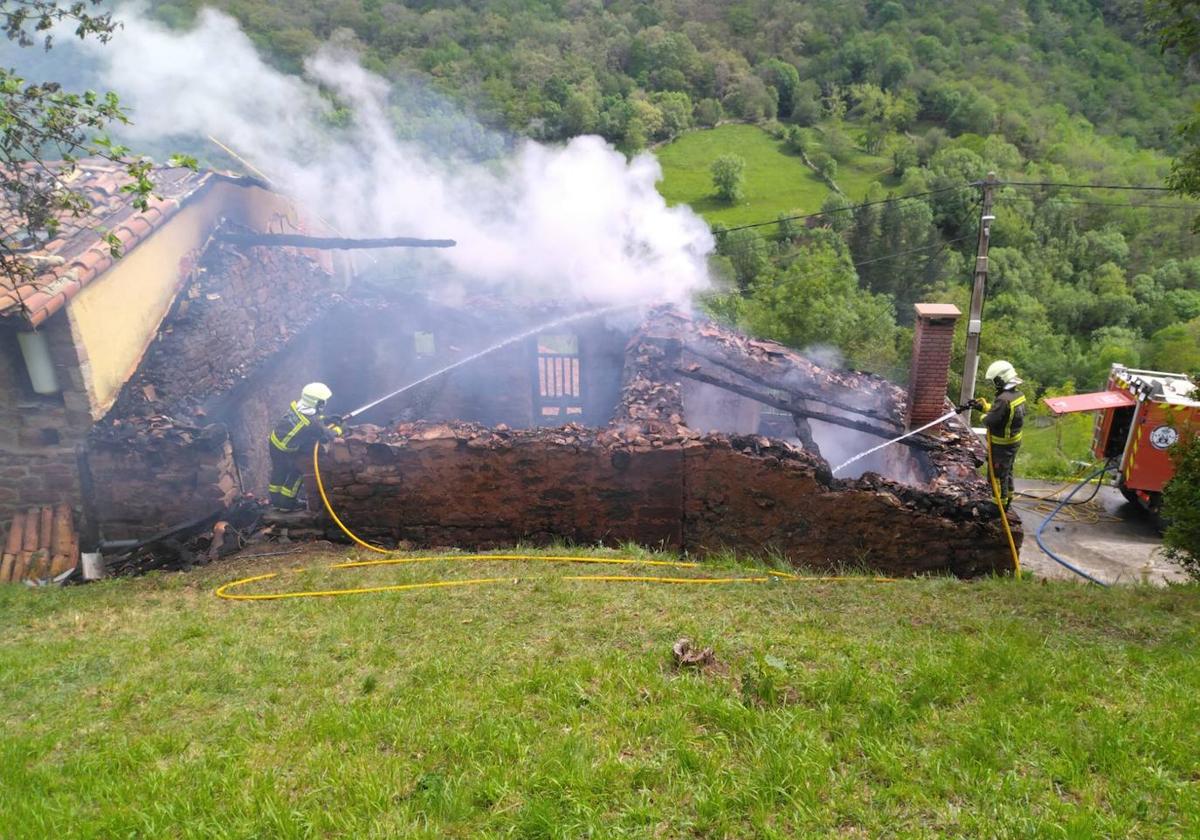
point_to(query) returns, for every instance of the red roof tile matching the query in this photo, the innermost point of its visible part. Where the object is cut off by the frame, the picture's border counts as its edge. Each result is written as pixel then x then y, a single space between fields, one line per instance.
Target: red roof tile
pixel 78 254
pixel 39 545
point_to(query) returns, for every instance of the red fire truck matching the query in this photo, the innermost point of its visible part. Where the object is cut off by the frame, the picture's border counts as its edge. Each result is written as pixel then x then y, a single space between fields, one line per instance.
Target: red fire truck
pixel 1140 415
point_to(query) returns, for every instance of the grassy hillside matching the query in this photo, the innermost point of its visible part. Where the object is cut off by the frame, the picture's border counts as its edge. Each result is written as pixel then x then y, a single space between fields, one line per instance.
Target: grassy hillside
pixel 551 708
pixel 777 181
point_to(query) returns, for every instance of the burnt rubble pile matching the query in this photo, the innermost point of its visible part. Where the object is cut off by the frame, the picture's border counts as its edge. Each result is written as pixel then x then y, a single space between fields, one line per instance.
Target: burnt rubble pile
pixel 196 542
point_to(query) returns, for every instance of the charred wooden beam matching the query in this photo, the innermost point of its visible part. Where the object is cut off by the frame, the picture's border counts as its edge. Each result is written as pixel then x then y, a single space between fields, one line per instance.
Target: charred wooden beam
pixel 781 380
pixel 327 243
pixel 752 390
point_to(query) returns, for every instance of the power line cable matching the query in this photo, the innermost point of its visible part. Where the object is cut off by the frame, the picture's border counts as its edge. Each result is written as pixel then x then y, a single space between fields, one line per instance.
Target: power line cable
pixel 1193 208
pixel 1084 186
pixel 848 208
pixel 941 246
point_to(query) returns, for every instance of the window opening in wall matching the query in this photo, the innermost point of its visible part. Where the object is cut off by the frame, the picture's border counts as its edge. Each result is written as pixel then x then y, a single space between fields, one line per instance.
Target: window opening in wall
pixel 559 378
pixel 423 344
pixel 17 373
pixel 775 422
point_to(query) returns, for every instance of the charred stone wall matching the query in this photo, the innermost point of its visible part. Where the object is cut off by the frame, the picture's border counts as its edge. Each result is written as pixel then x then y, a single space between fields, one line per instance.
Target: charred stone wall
pixel 466 485
pixel 240 342
pixel 160 476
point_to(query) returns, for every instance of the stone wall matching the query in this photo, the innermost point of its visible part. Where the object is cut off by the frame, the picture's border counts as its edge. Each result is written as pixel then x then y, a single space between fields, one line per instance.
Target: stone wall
pixel 761 500
pixel 463 484
pixel 158 478
pixel 39 432
pixel 32 478
pixel 466 485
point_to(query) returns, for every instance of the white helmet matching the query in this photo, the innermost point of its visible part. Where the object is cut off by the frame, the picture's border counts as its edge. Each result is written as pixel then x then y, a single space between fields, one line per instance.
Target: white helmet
pixel 314 395
pixel 1003 374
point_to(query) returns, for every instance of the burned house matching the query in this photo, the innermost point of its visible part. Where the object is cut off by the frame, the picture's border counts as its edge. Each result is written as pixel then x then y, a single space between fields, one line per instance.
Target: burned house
pixel 660 429
pixel 72 338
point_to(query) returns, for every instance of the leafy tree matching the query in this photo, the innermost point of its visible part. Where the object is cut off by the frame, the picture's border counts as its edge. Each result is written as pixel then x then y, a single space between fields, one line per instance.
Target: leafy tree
pixel 748 254
pixel 838 217
pixel 795 139
pixel 728 174
pixel 1178 29
pixel 751 99
pixel 675 108
pixel 836 142
pixel 709 112
pixel 806 103
pixel 904 156
pixel 785 79
pixel 41 123
pixel 580 113
pixel 1176 348
pixel 816 299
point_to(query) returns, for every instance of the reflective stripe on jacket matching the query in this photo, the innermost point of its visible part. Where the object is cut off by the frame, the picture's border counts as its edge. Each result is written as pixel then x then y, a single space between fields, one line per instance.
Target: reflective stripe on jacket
pixel 296 431
pixel 1007 417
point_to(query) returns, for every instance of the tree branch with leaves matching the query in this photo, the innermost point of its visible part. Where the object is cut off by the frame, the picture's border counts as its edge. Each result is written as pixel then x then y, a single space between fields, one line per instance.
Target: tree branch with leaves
pixel 45 131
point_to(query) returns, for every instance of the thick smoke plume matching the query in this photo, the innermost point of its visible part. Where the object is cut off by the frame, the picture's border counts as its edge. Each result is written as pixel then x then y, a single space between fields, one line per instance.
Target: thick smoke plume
pixel 576 221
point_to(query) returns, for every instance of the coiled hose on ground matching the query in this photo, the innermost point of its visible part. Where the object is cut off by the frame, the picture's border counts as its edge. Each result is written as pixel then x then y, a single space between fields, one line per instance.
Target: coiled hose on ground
pixel 1065 501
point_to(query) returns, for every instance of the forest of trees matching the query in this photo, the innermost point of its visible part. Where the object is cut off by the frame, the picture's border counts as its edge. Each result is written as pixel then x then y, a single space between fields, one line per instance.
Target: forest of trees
pixel 1071 91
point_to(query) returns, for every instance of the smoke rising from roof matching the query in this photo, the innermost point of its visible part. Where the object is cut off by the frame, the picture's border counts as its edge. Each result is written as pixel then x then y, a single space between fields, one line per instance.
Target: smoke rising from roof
pixel 575 221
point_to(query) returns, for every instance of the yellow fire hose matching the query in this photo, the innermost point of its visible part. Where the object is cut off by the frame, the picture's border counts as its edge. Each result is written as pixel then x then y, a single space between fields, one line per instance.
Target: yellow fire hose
pixel 225 591
pixel 1012 546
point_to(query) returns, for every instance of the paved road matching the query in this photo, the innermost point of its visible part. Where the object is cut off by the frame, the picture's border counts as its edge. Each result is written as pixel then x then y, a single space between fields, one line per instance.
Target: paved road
pixel 1122 547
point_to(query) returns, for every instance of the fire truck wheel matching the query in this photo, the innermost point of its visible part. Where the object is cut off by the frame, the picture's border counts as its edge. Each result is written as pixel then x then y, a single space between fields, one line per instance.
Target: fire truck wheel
pixel 1131 496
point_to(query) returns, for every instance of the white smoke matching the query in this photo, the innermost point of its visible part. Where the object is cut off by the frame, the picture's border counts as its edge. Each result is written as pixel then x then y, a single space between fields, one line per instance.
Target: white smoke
pixel 576 221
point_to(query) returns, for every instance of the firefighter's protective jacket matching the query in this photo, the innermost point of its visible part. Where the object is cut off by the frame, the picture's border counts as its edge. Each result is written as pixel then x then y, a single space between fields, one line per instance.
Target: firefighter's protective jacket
pixel 296 431
pixel 1006 418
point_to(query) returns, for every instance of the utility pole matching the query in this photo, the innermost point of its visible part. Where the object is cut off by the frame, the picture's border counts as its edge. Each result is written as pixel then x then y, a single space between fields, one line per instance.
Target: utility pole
pixel 975 319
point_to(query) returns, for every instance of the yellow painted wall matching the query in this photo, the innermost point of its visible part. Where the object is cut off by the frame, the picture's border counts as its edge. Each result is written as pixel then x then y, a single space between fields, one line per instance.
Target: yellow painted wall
pixel 116 316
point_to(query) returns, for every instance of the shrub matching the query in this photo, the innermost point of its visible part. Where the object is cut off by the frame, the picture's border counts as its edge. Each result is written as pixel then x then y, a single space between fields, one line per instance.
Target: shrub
pixel 1181 506
pixel 728 174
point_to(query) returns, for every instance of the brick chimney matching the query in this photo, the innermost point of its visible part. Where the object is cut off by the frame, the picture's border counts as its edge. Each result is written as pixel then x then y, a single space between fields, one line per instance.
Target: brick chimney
pixel 933 343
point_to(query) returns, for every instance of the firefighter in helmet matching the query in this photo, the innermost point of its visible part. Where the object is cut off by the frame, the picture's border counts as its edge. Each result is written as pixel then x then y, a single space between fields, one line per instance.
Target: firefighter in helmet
pixel 1003 419
pixel 303 425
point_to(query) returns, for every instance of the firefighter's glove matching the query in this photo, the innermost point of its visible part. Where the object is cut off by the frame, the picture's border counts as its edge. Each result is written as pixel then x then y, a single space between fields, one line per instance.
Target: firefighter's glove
pixel 980 404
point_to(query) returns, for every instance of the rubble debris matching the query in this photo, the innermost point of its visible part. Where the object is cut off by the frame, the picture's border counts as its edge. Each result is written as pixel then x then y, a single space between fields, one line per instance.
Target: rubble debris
pixel 193 543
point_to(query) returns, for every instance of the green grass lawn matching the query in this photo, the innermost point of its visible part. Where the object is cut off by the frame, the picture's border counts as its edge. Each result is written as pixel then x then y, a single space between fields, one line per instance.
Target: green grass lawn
pixel 551 708
pixel 860 170
pixel 1054 450
pixel 777 181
